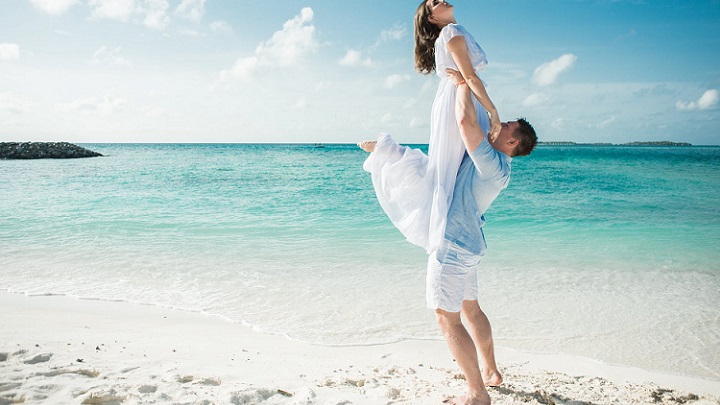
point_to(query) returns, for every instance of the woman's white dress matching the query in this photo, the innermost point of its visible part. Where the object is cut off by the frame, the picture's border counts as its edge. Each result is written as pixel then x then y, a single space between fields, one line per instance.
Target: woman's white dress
pixel 415 189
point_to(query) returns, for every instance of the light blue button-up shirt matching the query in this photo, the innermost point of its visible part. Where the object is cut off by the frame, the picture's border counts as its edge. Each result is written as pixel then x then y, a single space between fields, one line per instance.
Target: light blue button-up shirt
pixel 482 175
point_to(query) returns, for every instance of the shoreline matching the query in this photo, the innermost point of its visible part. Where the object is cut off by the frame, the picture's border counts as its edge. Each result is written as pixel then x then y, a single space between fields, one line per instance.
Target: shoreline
pixel 61 349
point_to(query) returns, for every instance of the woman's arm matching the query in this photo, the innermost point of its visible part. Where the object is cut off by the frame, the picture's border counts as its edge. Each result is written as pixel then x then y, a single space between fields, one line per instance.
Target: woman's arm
pixel 459 51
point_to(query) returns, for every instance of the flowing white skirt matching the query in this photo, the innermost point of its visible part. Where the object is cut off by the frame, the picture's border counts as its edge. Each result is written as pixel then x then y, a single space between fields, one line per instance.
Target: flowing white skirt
pixel 415 190
pixel 403 186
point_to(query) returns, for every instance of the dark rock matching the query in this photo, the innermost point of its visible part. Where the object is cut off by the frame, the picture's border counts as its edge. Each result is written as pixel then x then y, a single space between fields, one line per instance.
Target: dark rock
pixel 649 143
pixel 43 150
pixel 658 143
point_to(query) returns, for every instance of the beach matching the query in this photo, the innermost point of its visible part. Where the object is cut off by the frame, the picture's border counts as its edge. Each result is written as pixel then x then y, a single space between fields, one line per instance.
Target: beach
pixel 61 350
pixel 245 273
pixel 185 217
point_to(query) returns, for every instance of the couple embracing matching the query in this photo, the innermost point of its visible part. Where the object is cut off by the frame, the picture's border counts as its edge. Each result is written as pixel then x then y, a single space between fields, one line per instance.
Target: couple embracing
pixel 437 200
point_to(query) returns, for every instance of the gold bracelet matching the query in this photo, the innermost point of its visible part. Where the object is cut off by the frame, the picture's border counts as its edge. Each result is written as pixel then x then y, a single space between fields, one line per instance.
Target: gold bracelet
pixel 459 83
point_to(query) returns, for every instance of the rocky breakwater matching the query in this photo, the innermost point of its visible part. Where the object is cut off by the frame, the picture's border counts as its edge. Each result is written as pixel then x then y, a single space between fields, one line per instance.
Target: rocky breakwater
pixel 43 150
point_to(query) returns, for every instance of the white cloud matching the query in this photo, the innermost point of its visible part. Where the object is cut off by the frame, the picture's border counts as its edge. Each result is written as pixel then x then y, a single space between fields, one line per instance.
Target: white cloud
pixel 606 123
pixel 53 6
pixel 351 58
pixel 686 105
pixel 708 100
pixel 284 48
pixel 242 69
pixel 417 122
pixel 547 73
pixel 192 10
pixel 388 118
pixel 155 13
pixel 221 26
pixel 559 123
pixel 354 58
pixel 395 33
pixel 535 100
pixel 289 44
pixel 395 80
pixel 410 103
pixel 110 57
pixel 93 105
pixel 592 112
pixel 120 10
pixel 9 52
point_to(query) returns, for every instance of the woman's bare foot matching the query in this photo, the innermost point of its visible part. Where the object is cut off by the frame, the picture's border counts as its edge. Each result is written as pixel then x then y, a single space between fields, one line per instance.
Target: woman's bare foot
pixel 367 146
pixel 493 379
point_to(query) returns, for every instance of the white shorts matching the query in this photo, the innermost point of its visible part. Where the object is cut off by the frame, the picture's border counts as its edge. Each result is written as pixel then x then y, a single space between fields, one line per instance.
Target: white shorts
pixel 451 277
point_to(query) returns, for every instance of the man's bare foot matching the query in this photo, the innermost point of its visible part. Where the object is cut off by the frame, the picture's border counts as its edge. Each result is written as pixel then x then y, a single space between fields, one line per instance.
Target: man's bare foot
pixel 367 146
pixel 493 379
pixel 468 400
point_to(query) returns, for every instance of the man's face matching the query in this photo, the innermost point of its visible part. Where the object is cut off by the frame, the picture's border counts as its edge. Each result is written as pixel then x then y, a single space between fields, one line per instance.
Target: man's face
pixel 505 142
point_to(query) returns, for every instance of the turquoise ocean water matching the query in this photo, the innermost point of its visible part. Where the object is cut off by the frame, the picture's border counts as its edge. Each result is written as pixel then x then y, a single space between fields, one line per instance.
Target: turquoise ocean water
pixel 611 253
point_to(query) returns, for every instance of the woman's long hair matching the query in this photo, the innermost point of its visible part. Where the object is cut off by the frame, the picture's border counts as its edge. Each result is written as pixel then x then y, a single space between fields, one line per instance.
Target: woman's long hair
pixel 425 35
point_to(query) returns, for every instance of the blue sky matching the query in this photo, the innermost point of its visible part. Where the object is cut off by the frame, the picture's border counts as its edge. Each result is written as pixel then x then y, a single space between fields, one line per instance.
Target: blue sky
pixel 336 71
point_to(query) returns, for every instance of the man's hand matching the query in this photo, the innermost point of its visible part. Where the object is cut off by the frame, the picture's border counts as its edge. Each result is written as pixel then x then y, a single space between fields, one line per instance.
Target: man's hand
pixel 454 76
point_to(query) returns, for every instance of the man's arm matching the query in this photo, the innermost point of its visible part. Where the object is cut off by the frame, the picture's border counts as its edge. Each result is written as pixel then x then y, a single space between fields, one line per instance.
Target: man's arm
pixel 459 51
pixel 470 131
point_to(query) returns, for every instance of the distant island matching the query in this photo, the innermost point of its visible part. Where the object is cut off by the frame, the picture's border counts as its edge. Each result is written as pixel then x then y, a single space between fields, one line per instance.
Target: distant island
pixel 43 150
pixel 648 143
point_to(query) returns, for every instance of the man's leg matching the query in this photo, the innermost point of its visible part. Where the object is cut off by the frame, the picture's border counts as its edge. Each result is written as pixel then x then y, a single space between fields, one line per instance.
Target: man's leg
pixel 463 350
pixel 481 332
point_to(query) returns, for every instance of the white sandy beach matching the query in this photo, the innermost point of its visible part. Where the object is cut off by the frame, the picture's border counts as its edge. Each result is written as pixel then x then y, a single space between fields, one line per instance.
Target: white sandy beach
pixel 59 350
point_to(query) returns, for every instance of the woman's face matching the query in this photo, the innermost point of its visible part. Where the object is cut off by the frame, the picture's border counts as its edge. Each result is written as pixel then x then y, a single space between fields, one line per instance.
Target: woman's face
pixel 440 10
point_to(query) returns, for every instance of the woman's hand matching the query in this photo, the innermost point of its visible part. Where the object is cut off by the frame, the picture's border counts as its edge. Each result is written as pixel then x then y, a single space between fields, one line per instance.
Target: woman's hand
pixel 495 126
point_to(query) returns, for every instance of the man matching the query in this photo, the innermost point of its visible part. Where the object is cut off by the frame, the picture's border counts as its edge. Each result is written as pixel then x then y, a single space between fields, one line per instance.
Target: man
pixel 452 287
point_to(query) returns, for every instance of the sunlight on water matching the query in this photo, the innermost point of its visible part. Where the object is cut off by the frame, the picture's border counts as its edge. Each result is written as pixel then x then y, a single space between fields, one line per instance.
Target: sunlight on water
pixel 605 252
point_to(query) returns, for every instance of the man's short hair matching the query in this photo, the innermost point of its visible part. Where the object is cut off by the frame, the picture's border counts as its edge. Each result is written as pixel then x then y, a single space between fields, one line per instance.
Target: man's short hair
pixel 526 136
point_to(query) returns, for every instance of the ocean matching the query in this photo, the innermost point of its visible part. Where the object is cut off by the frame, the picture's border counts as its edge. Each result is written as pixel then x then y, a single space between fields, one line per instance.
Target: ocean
pixel 605 252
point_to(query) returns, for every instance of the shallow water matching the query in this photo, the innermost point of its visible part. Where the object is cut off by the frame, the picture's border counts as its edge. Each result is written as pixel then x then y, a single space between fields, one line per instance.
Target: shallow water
pixel 605 252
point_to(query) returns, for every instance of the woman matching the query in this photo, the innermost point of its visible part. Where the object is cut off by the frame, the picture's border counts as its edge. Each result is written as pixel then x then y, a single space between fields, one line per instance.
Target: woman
pixel 440 44
pixel 416 190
